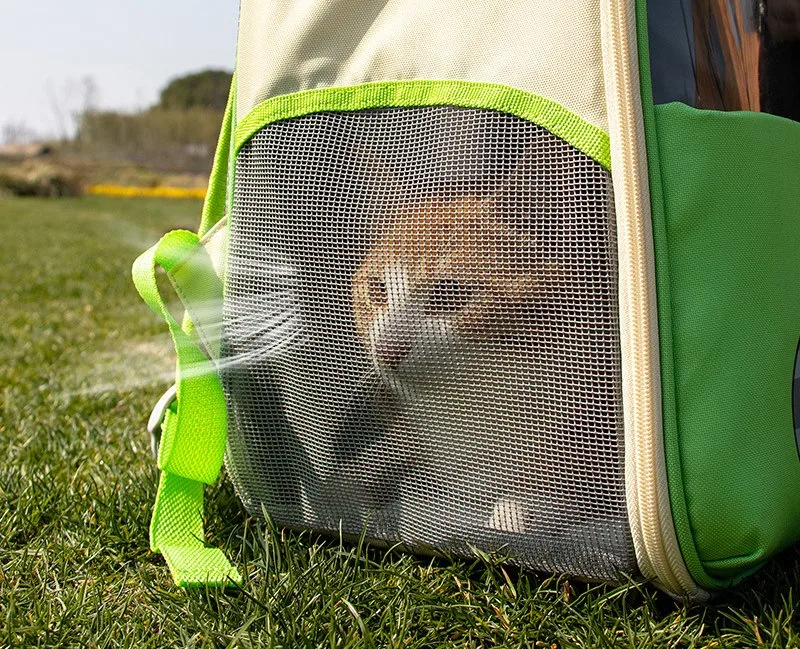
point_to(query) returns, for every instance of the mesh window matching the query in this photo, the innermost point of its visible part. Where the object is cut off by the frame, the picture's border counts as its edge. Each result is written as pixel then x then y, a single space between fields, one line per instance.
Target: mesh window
pixel 421 336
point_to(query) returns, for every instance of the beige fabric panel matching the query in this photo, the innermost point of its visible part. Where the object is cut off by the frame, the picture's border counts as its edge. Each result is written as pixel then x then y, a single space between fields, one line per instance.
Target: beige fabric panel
pixel 546 48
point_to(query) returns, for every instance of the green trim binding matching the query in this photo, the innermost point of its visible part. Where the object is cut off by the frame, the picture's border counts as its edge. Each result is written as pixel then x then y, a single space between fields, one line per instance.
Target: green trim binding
pixel 194 428
pixel 214 207
pixel 407 94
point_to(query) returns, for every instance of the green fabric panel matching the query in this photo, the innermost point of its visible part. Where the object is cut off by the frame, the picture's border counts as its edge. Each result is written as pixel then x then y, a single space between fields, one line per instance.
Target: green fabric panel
pixel 405 94
pixel 214 206
pixel 731 226
pixel 668 399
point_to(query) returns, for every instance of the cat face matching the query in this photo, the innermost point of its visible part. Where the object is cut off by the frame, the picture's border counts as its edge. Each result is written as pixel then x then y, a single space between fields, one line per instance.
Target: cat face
pixel 445 278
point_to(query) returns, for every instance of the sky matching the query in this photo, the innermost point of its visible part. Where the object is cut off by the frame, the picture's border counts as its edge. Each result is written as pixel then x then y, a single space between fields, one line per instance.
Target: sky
pixel 130 49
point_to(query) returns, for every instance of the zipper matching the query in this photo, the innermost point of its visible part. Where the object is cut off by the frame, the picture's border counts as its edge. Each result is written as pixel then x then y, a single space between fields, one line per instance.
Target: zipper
pixel 657 551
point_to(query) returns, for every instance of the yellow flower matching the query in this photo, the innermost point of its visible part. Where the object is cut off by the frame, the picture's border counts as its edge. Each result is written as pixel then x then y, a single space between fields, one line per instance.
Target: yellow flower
pixel 151 192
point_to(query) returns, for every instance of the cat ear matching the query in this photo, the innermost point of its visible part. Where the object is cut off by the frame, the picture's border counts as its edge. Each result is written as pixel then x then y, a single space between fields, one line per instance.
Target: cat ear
pixel 515 200
pixel 379 186
pixel 533 192
pixel 531 200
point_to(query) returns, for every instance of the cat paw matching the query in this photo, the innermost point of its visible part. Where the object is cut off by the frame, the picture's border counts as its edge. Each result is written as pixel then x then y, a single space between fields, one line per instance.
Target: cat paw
pixel 507 516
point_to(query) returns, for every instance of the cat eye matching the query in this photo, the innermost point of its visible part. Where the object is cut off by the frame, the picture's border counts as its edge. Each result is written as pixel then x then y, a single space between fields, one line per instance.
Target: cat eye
pixel 376 291
pixel 449 295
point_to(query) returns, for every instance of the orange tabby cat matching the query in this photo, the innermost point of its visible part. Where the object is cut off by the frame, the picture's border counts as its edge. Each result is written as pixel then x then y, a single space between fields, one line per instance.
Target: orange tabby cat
pixel 444 303
pixel 446 278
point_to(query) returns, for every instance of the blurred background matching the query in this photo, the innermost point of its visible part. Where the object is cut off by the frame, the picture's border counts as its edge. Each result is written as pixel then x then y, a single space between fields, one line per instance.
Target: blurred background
pixel 124 98
pixel 94 94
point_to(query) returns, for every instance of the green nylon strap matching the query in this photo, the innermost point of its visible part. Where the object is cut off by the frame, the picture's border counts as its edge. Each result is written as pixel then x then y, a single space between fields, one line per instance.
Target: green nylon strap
pixel 196 453
pixel 176 530
pixel 193 433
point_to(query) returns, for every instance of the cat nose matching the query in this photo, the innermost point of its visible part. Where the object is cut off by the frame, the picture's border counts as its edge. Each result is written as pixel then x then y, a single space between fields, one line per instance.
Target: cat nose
pixel 392 353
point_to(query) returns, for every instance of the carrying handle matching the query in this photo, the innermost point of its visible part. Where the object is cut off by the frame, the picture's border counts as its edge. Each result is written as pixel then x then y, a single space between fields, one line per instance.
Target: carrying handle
pixel 194 429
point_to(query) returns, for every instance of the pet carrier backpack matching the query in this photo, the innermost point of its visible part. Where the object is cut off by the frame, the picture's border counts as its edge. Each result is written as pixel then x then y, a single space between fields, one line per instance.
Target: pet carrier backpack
pixel 498 276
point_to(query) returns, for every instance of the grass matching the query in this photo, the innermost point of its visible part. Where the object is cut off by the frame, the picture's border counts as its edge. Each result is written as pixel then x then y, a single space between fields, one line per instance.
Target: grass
pixel 82 360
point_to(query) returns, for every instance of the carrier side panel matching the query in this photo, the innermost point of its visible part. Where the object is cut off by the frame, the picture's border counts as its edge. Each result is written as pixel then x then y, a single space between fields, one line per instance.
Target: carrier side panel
pixel 725 190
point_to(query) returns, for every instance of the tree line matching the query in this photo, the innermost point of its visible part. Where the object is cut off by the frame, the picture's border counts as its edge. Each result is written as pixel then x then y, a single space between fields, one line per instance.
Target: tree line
pixel 179 133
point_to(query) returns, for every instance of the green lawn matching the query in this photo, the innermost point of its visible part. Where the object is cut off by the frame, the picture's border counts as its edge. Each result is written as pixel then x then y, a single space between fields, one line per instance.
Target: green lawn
pixel 82 360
